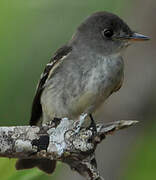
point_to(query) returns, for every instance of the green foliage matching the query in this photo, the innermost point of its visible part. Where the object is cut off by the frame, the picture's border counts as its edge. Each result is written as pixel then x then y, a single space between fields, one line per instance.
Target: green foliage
pixel 142 163
pixel 30 31
pixel 7 171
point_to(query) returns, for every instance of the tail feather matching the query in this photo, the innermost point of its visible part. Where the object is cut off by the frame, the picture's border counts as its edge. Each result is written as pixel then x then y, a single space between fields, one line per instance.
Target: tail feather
pixel 46 165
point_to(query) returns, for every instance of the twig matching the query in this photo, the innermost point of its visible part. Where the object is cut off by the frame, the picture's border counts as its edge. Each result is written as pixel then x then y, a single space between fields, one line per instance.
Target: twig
pixel 67 143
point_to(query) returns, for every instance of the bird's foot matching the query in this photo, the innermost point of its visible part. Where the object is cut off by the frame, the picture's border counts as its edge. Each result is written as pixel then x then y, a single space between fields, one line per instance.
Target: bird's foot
pixel 92 125
pixel 79 123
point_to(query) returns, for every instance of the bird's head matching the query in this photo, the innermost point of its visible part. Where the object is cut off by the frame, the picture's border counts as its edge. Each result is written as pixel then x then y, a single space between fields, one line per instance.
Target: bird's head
pixel 106 33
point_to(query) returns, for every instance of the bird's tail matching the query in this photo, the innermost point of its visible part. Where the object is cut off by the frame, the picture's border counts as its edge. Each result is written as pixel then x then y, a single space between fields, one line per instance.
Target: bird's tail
pixel 45 165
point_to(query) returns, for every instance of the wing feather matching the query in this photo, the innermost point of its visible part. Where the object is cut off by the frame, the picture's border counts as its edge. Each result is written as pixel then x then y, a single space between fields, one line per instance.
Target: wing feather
pixel 36 112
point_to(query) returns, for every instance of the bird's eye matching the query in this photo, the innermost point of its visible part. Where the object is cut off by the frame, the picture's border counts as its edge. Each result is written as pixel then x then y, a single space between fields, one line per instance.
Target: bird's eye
pixel 108 33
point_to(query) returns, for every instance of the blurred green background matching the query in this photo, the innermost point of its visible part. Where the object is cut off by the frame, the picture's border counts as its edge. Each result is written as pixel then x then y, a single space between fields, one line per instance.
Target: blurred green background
pixel 30 32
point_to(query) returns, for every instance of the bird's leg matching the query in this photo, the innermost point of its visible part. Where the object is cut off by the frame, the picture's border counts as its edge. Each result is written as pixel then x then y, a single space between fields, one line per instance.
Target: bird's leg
pixel 79 123
pixel 92 124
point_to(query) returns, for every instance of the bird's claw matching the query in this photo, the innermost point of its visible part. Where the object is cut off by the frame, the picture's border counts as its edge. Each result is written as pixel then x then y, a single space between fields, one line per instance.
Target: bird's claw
pixel 92 125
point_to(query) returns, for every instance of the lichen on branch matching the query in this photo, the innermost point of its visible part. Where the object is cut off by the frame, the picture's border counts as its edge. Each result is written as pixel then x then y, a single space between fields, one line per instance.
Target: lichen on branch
pixel 65 141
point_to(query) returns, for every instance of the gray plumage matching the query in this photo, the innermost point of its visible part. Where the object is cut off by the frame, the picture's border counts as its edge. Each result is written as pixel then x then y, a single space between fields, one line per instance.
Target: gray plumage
pixel 89 73
pixel 82 74
pixel 80 87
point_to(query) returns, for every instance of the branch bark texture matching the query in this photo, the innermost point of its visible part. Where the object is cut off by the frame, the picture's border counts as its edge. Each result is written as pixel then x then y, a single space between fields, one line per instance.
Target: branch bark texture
pixel 64 141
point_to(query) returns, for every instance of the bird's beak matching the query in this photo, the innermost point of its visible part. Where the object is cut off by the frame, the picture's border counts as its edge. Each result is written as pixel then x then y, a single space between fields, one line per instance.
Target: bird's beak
pixel 134 37
pixel 138 37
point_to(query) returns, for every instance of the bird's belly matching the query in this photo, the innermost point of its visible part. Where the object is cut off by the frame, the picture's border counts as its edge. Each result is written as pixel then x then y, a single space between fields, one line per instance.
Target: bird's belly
pixel 91 100
pixel 87 102
pixel 102 82
pixel 81 94
pixel 59 104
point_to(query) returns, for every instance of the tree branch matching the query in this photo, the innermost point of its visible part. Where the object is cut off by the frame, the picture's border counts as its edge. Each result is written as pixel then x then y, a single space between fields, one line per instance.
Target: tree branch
pixel 64 141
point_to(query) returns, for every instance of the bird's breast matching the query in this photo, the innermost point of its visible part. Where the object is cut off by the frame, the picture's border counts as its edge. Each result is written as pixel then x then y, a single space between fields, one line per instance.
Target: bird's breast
pixel 81 88
pixel 98 83
pixel 106 74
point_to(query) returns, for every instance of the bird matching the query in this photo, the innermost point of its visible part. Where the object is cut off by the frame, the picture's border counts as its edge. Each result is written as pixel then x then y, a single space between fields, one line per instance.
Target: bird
pixel 81 75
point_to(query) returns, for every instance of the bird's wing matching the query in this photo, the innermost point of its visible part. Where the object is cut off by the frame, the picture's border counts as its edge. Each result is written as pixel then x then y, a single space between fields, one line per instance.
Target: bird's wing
pixel 36 112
